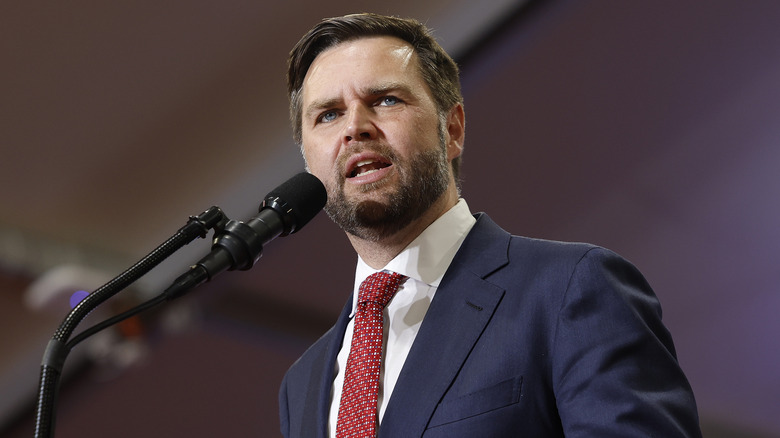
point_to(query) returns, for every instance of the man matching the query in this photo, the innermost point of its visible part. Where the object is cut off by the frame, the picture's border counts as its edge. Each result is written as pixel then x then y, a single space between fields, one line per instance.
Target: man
pixel 487 334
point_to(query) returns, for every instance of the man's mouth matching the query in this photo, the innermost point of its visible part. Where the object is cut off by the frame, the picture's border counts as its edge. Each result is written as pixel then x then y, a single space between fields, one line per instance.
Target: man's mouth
pixel 366 167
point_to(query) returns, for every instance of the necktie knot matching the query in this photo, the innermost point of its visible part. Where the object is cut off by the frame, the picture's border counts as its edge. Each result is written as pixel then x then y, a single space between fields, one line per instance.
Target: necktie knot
pixel 379 288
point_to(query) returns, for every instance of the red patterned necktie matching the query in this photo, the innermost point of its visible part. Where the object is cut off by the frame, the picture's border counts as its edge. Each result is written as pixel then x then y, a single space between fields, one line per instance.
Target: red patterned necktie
pixel 358 409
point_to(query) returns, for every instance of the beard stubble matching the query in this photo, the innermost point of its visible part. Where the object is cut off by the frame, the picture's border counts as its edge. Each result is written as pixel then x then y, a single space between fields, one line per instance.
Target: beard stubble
pixel 423 179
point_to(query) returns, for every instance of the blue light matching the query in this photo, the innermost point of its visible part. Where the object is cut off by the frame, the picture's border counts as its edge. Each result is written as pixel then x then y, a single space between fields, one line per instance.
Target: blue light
pixel 77 296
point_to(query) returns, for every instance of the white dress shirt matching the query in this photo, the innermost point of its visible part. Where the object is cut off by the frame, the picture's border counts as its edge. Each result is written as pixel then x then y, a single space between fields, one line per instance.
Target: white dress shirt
pixel 424 261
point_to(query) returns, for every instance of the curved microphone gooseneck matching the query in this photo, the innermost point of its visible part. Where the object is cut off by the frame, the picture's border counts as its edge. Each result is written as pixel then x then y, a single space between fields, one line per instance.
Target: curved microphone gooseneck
pixel 237 245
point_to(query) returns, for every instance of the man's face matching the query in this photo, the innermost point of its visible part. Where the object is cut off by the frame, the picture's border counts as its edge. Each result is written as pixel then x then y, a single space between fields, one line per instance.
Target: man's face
pixel 371 132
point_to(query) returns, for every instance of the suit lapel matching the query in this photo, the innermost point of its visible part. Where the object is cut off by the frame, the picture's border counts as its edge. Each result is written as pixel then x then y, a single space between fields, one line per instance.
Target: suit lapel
pixel 317 406
pixel 459 313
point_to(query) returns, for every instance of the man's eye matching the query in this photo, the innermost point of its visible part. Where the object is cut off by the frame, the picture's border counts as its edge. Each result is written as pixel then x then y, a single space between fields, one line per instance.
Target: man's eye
pixel 389 101
pixel 328 116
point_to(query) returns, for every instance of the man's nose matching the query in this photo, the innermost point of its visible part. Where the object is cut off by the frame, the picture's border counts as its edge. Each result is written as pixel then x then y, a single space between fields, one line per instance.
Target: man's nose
pixel 360 124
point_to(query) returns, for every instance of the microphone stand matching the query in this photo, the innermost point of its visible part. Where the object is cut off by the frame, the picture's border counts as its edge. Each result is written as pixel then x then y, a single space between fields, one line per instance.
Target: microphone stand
pixel 59 347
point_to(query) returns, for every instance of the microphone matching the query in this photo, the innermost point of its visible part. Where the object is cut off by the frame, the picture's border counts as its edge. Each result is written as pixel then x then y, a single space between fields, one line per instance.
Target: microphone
pixel 284 211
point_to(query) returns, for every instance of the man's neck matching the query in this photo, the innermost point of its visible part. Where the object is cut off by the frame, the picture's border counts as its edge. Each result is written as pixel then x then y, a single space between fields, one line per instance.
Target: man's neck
pixel 378 253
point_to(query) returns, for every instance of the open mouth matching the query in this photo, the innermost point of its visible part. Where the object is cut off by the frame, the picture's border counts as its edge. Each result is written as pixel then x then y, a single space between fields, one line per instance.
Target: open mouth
pixel 366 167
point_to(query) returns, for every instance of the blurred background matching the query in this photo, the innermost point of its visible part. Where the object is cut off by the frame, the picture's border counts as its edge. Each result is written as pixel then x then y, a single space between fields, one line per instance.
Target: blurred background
pixel 651 128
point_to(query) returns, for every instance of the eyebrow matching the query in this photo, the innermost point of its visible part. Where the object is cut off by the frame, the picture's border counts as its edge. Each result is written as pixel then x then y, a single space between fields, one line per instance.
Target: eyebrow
pixel 319 105
pixel 374 90
pixel 386 88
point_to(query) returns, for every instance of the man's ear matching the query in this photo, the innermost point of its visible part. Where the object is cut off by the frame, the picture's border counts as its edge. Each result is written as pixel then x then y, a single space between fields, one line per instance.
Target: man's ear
pixel 456 131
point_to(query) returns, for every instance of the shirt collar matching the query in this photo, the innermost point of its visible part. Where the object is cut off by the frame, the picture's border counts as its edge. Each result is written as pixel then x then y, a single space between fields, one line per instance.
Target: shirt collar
pixel 427 257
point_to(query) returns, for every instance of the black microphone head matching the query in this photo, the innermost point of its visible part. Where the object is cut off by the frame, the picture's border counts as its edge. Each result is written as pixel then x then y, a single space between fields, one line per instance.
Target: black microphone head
pixel 297 200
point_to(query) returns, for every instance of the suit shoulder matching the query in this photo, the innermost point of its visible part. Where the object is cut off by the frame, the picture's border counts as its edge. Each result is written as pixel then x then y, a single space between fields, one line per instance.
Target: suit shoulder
pixel 499 251
pixel 542 252
pixel 552 247
pixel 312 356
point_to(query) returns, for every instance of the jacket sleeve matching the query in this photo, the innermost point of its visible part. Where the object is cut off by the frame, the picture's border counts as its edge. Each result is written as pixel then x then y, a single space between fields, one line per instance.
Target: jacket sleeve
pixel 615 371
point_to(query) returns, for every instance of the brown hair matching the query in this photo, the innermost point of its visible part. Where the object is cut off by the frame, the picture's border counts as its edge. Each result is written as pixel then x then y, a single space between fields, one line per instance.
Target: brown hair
pixel 437 68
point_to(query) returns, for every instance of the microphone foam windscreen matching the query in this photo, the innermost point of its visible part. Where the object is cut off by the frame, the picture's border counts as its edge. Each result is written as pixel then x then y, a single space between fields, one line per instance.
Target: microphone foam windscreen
pixel 304 194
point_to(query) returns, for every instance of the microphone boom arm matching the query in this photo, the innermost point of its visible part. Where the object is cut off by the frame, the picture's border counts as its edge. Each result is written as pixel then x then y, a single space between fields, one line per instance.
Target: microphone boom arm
pixel 58 349
pixel 237 245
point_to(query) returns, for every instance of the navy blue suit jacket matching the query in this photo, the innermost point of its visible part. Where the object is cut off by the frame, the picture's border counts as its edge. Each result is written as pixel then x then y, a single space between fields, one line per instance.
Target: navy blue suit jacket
pixel 526 338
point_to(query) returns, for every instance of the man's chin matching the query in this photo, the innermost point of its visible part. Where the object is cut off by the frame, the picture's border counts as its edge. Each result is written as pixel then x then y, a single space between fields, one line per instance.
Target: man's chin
pixel 370 219
pixel 374 194
pixel 372 213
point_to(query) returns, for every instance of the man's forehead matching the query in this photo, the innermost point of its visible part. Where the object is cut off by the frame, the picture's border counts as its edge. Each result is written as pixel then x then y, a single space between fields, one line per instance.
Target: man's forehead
pixel 370 62
pixel 384 51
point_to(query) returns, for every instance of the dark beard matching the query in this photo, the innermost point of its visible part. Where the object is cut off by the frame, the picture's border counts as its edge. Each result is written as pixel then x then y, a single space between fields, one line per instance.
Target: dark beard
pixel 423 179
